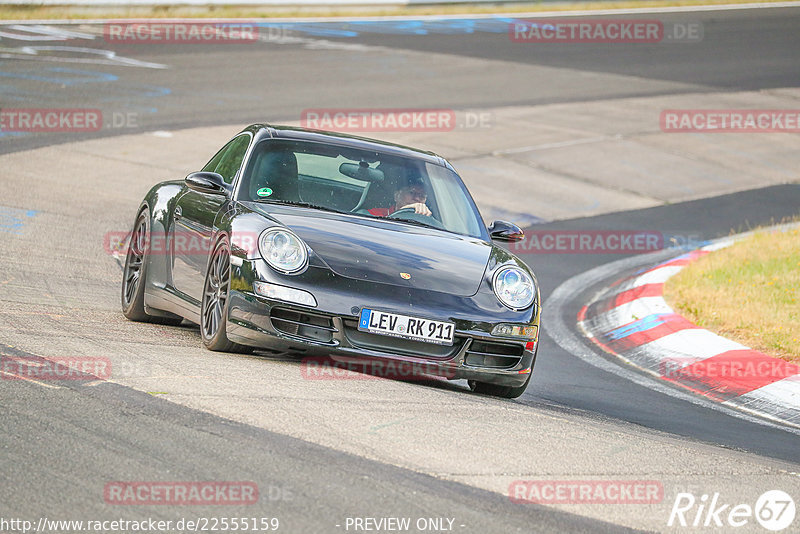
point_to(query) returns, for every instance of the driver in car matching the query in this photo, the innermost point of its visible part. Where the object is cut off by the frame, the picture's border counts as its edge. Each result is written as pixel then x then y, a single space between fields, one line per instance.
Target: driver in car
pixel 412 195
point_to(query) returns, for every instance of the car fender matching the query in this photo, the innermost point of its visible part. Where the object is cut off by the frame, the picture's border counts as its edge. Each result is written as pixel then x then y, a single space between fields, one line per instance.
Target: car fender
pixel 160 201
pixel 243 228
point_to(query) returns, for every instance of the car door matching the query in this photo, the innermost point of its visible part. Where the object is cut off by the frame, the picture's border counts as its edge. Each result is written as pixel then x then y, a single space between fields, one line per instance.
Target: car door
pixel 194 215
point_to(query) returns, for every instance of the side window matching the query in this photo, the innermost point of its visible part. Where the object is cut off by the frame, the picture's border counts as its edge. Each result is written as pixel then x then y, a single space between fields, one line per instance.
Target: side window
pixel 228 160
pixel 212 165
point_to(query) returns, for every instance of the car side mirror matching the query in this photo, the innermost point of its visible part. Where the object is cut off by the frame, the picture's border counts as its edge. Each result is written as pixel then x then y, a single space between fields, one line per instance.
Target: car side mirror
pixel 207 182
pixel 505 231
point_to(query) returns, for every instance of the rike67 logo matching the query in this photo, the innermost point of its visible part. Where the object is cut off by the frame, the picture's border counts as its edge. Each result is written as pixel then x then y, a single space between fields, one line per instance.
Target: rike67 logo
pixel 774 510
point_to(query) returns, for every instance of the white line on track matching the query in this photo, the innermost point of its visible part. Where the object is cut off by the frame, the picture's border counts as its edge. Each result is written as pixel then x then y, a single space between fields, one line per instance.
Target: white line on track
pixel 12 376
pixel 565 337
pixel 541 14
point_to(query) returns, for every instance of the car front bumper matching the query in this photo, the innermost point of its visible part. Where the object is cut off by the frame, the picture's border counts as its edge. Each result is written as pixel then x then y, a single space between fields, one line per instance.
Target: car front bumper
pixel 476 354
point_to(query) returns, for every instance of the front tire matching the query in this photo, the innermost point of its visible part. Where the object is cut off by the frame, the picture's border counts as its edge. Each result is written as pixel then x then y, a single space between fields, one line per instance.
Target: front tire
pixel 506 392
pixel 214 304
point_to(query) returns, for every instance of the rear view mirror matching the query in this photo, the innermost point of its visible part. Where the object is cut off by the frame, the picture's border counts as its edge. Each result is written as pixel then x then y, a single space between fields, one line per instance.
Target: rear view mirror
pixel 361 171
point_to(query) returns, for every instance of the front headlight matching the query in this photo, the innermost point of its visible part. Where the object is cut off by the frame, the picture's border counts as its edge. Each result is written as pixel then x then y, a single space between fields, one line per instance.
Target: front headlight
pixel 283 250
pixel 514 288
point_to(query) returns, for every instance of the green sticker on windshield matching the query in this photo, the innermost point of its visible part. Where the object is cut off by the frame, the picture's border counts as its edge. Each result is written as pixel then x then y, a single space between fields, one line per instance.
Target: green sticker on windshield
pixel 264 192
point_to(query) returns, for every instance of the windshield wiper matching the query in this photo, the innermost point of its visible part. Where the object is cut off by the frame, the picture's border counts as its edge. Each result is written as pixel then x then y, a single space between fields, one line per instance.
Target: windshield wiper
pixel 410 221
pixel 298 203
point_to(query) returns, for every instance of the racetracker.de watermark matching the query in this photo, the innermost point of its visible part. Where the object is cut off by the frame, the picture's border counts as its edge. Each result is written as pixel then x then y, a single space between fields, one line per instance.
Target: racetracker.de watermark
pixel 602 242
pixel 586 491
pixel 322 368
pixel 730 120
pixel 55 368
pixel 182 243
pixel 181 493
pixel 609 31
pixel 770 370
pixel 181 32
pixel 37 120
pixel 393 120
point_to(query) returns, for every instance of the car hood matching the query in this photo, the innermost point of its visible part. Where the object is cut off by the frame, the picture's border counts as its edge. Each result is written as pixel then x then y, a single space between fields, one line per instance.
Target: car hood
pixel 380 250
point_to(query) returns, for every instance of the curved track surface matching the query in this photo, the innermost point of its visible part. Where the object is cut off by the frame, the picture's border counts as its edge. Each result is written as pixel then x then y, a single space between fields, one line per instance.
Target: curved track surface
pixel 579 121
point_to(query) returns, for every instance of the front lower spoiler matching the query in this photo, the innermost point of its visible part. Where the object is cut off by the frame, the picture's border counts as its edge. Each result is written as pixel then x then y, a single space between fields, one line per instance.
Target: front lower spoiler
pixel 249 323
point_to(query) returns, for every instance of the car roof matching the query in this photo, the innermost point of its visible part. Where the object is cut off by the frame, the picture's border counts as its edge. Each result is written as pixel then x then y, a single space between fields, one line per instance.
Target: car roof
pixel 305 134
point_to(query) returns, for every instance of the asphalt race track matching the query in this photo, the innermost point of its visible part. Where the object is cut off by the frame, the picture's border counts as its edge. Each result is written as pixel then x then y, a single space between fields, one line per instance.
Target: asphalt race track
pixel 570 142
pixel 281 78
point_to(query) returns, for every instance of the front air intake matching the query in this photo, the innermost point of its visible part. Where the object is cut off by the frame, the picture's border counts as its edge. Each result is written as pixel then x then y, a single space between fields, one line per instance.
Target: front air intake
pixel 493 355
pixel 308 326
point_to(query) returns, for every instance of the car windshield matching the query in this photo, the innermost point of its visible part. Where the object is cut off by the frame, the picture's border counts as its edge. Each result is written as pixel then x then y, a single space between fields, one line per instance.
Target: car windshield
pixel 362 182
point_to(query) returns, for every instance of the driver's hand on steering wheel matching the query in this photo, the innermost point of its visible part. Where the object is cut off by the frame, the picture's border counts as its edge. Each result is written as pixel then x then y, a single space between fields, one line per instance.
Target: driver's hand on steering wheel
pixel 418 207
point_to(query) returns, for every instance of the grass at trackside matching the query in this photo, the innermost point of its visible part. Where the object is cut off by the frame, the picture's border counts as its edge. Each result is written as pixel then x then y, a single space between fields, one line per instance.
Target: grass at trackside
pixel 749 293
pixel 38 12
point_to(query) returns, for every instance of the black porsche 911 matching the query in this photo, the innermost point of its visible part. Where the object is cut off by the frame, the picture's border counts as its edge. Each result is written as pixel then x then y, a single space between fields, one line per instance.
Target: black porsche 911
pixel 327 244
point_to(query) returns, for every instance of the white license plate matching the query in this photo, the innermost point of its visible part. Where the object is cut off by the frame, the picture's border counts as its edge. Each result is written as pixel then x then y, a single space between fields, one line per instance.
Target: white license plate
pixel 392 324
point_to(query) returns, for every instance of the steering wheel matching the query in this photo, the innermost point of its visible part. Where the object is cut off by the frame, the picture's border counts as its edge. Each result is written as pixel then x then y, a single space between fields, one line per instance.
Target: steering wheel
pixel 409 214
